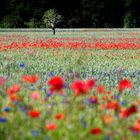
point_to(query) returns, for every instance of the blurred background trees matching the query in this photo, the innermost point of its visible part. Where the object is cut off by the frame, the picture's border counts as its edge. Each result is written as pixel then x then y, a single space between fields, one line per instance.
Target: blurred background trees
pixel 75 13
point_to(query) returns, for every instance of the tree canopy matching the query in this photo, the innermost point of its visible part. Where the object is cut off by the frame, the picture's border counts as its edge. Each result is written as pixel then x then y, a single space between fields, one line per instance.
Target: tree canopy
pixel 75 13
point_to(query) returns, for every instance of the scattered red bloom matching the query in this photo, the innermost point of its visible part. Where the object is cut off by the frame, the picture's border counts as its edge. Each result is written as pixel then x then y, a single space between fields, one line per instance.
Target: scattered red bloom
pixel 59 116
pixel 29 78
pixel 133 109
pixel 95 131
pixel 112 105
pixel 13 89
pixel 102 43
pixel 108 92
pixel 13 97
pixel 100 89
pixel 56 83
pixel 51 126
pixel 33 113
pixel 126 112
pixel 136 127
pixel 103 106
pixel 90 83
pixel 82 87
pixel 124 84
pixel 79 87
pixel 104 98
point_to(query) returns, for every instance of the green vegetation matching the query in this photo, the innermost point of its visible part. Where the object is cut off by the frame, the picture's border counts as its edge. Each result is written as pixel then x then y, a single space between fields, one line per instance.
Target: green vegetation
pixel 75 13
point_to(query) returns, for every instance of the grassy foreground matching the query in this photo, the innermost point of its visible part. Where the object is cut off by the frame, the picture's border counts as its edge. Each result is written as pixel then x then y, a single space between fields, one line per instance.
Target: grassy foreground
pixel 78 116
pixel 53 92
pixel 101 64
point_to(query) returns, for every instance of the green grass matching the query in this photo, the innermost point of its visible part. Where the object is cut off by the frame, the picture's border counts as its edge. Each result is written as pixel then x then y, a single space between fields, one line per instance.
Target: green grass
pixel 84 34
pixel 87 62
pixel 106 66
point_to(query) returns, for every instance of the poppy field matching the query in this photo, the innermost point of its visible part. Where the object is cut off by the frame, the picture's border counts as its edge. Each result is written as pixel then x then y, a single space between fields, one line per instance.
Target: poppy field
pixel 74 85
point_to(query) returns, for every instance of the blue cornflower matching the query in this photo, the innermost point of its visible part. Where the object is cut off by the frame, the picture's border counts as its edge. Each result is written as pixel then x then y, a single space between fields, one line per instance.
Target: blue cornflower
pixel 16 102
pixel 123 103
pixel 66 86
pixel 51 73
pixel 134 132
pixel 116 96
pixel 22 65
pixel 48 94
pixel 35 133
pixel 2 120
pixel 6 109
pixel 107 137
pixel 43 88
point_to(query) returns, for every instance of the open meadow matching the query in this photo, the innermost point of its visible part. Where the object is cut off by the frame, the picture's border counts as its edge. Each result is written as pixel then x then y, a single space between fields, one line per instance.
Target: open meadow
pixel 70 86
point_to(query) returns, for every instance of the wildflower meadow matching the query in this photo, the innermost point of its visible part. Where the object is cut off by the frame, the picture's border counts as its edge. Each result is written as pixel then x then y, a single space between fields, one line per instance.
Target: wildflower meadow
pixel 71 86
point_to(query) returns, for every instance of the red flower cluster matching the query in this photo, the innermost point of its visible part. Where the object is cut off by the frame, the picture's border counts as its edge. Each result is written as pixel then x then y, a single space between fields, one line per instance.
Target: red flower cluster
pixel 75 43
pixel 59 116
pixel 29 78
pixel 56 83
pixel 13 89
pixel 112 105
pixel 126 112
pixel 124 84
pixel 51 126
pixel 100 89
pixel 96 131
pixel 136 127
pixel 33 113
pixel 82 87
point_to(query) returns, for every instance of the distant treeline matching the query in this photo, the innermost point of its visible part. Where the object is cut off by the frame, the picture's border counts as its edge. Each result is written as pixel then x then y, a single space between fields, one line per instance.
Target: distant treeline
pixel 75 13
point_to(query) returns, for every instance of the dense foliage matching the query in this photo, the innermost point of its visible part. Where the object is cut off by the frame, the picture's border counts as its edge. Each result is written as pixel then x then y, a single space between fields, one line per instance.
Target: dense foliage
pixel 75 13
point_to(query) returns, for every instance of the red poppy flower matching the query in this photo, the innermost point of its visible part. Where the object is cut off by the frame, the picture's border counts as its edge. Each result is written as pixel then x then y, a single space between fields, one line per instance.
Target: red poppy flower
pixel 13 89
pixel 78 87
pixel 29 78
pixel 95 131
pixel 133 109
pixel 90 83
pixel 112 105
pixel 138 121
pixel 105 98
pixel 13 97
pixel 124 84
pixel 50 126
pixel 82 87
pixel 56 83
pixel 59 116
pixel 126 112
pixel 136 127
pixel 33 113
pixel 100 89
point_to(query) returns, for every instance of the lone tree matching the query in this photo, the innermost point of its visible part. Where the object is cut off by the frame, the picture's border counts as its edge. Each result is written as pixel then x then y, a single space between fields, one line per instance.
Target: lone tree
pixel 50 18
